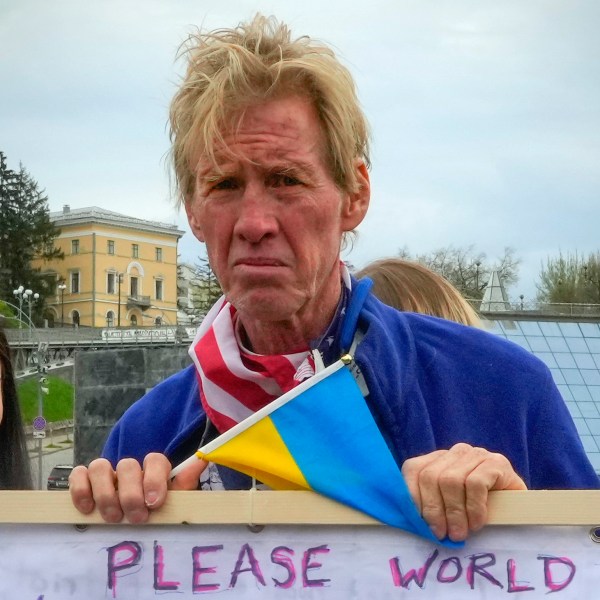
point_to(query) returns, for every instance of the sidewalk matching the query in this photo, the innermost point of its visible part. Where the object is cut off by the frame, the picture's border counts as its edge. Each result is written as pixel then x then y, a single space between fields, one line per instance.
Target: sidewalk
pixel 60 441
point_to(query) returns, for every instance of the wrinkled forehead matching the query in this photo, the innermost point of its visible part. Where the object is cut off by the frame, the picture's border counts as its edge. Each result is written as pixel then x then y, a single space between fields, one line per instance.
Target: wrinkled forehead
pixel 255 131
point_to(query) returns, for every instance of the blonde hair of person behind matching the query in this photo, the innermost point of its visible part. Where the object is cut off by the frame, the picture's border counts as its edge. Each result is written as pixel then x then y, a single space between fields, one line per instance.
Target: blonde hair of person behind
pixel 410 286
pixel 229 70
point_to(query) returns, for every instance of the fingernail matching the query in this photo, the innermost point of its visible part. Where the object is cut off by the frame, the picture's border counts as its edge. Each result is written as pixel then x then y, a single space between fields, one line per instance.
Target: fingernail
pixel 113 515
pixel 138 516
pixel 151 498
pixel 437 531
pixel 456 534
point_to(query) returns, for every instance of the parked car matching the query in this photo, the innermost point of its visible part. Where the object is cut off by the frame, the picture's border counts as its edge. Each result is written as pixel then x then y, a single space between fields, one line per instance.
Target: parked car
pixel 59 477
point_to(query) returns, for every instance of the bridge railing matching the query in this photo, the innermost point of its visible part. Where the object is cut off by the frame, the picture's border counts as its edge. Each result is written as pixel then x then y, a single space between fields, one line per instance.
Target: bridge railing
pixel 97 336
pixel 532 307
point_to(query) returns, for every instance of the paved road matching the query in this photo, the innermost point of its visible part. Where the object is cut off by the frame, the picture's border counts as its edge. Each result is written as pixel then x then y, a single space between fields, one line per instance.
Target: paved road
pixel 61 455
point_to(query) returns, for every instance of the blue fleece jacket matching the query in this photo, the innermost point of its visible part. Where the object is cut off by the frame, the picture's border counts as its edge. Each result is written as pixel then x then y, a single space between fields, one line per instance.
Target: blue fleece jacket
pixel 432 383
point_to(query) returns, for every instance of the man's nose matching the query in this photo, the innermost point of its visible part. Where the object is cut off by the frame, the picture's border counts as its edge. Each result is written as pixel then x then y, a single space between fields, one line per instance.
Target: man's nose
pixel 256 218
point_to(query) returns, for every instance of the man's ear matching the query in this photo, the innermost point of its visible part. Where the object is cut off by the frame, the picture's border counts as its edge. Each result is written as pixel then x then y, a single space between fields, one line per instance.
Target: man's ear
pixel 356 203
pixel 191 210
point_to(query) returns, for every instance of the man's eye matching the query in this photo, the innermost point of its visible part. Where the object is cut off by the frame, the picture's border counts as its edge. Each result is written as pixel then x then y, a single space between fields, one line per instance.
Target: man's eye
pixel 285 180
pixel 225 184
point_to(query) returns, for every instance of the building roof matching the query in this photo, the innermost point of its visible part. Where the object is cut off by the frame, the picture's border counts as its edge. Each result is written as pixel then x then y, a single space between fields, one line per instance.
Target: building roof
pixel 94 214
pixel 570 347
pixel 495 297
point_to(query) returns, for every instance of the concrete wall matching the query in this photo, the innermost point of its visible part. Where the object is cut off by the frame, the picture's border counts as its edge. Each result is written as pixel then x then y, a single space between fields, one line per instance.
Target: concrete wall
pixel 107 382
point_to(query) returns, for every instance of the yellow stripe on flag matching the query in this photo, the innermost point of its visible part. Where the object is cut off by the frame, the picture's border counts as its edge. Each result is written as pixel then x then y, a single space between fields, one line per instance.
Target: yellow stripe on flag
pixel 260 452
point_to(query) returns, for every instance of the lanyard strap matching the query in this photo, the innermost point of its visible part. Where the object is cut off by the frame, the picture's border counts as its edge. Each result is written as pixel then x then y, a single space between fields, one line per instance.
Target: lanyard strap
pixel 360 291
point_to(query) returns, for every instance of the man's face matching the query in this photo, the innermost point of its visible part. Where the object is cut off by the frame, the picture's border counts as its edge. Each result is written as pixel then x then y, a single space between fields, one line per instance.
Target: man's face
pixel 272 217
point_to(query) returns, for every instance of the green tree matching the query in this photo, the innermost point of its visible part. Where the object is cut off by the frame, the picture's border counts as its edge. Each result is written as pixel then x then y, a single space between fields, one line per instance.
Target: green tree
pixel 570 278
pixel 208 289
pixel 467 269
pixel 591 276
pixel 8 317
pixel 187 292
pixel 26 234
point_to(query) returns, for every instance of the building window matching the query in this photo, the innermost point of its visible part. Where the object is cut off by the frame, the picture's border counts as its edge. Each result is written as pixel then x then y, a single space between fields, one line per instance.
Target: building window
pixel 75 282
pixel 110 247
pixel 133 287
pixel 75 317
pixel 74 246
pixel 135 251
pixel 158 289
pixel 133 320
pixel 111 283
pixel 110 318
pixel 158 321
pixel 158 254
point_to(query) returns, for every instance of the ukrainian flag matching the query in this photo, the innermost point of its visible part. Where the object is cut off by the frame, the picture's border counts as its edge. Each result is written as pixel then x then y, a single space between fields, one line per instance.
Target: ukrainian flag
pixel 321 436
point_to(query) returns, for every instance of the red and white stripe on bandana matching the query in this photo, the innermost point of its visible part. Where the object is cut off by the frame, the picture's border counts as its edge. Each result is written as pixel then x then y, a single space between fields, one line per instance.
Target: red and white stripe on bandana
pixel 235 382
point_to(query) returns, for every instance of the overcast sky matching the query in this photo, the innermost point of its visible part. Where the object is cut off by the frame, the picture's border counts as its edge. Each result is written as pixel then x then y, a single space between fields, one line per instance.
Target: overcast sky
pixel 485 113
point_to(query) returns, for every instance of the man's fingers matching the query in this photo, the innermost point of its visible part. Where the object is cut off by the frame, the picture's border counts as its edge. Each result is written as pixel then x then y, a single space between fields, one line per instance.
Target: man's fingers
pixel 156 475
pixel 130 492
pixel 450 487
pixel 411 470
pixel 494 473
pixel 188 478
pixel 442 491
pixel 80 489
pixel 433 508
pixel 102 479
pixel 462 509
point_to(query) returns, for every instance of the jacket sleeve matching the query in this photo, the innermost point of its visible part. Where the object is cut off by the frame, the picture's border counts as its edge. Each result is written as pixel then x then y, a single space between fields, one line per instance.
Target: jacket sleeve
pixel 168 419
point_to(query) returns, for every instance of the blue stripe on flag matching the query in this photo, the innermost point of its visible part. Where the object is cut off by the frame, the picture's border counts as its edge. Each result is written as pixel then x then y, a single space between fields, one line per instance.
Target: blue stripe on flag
pixel 330 432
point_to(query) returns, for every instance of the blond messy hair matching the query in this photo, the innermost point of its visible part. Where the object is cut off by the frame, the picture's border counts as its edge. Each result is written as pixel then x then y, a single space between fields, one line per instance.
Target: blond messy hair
pixel 410 286
pixel 231 69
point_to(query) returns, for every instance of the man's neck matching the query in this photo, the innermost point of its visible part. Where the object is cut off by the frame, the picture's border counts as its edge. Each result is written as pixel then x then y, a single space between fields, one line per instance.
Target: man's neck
pixel 289 336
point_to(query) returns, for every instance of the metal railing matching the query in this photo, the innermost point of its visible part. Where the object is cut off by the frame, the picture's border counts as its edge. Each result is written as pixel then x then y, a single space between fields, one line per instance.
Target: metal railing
pixel 86 336
pixel 532 307
pixel 140 301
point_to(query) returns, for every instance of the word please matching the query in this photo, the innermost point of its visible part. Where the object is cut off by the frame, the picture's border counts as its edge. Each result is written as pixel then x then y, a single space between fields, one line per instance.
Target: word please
pixel 205 576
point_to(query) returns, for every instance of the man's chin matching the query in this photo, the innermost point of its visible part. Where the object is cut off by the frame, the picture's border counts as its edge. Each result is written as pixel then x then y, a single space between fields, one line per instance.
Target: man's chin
pixel 265 305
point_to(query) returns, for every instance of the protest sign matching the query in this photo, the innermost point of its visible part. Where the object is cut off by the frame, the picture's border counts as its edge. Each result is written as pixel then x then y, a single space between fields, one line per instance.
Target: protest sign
pixel 56 560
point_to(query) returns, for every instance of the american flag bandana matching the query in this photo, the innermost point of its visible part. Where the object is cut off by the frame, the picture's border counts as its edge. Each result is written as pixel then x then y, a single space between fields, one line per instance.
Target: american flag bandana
pixel 235 382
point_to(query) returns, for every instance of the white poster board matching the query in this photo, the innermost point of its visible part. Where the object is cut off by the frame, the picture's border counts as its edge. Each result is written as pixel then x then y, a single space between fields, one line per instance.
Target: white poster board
pixel 200 544
pixel 57 562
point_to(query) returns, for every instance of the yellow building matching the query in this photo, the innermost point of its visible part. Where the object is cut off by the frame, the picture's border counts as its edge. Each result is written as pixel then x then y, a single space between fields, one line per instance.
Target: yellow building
pixel 117 270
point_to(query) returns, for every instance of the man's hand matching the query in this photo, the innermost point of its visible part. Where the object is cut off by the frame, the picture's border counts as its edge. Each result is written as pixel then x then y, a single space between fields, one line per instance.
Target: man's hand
pixel 130 491
pixel 450 487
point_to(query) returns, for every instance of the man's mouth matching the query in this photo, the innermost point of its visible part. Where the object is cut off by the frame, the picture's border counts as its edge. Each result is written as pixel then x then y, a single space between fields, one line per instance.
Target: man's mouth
pixel 259 262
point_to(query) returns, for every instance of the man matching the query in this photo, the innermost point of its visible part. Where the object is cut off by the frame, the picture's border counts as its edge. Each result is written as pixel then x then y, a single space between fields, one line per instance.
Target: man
pixel 270 150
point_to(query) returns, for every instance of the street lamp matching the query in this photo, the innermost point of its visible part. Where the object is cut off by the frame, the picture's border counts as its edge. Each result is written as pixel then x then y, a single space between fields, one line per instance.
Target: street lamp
pixel 23 295
pixel 62 287
pixel 39 423
pixel 31 298
pixel 18 294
